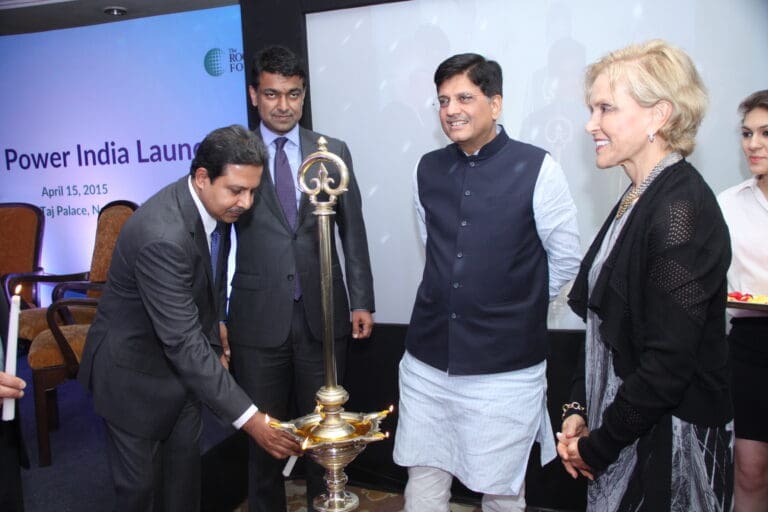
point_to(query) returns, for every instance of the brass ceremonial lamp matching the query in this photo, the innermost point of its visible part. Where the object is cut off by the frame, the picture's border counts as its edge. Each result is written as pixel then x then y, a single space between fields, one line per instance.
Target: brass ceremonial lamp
pixel 332 436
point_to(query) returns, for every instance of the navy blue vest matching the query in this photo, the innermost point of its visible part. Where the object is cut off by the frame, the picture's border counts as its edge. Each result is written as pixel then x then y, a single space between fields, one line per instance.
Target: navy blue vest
pixel 482 303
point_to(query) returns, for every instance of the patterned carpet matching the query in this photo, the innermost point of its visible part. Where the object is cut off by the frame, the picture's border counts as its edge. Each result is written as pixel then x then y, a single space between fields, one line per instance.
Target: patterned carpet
pixel 370 500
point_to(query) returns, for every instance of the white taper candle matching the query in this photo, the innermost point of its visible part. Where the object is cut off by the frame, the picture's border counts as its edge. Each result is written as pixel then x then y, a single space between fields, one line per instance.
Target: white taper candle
pixel 9 407
pixel 289 465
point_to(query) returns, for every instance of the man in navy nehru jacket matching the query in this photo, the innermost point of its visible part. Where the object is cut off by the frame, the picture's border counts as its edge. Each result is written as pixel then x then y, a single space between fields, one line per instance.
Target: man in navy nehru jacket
pixel 501 240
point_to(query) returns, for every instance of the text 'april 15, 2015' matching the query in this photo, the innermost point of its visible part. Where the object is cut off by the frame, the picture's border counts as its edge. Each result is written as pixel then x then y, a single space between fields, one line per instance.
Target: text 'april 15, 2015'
pixel 75 190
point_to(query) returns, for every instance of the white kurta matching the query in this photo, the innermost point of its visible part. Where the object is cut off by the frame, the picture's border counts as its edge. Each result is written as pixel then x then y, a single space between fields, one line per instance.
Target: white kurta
pixel 479 428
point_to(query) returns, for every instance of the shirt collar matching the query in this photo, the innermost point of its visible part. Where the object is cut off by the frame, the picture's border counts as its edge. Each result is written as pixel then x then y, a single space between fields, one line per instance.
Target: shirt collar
pixel 498 131
pixel 751 183
pixel 490 149
pixel 209 223
pixel 268 136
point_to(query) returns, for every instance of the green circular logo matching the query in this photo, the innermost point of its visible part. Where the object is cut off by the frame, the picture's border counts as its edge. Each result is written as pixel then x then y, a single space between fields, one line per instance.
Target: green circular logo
pixel 214 62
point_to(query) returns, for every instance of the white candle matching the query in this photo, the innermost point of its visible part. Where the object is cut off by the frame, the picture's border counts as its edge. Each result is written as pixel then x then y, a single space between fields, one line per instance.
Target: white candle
pixel 289 466
pixel 292 459
pixel 9 409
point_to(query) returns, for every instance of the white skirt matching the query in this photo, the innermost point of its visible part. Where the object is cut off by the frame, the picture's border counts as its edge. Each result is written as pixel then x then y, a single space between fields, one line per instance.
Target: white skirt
pixel 479 428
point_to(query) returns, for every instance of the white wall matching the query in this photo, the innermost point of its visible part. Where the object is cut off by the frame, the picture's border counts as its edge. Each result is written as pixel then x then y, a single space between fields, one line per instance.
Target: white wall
pixel 371 72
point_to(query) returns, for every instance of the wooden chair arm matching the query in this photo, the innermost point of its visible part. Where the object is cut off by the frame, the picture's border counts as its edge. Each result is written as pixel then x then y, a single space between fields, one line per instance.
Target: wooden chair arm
pixel 74 286
pixel 11 280
pixel 70 359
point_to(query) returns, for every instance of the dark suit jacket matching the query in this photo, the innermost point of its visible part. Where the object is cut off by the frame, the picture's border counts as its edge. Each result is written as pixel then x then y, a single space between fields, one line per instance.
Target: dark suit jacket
pixel 269 253
pixel 151 346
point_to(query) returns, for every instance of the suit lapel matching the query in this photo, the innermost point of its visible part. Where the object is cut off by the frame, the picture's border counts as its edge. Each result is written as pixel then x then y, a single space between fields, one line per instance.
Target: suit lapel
pixel 194 226
pixel 308 146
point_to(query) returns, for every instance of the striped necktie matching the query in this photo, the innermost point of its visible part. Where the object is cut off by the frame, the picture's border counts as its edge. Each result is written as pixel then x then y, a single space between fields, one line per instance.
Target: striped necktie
pixel 285 185
pixel 215 250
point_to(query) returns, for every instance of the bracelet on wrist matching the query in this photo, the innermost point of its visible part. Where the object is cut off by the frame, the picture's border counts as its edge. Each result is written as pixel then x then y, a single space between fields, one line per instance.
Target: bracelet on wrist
pixel 572 408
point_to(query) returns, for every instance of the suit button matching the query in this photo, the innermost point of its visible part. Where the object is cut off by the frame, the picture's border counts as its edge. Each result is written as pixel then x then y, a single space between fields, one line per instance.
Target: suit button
pixel 454 316
pixel 464 222
pixel 467 193
pixel 459 254
pixel 455 284
pixel 289 277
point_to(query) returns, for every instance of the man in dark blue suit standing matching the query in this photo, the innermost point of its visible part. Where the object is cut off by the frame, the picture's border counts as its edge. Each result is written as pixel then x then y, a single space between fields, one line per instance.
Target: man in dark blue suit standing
pixel 154 351
pixel 275 316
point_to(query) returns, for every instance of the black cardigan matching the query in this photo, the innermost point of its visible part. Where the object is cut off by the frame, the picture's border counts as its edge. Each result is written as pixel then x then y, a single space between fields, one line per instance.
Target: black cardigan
pixel 661 298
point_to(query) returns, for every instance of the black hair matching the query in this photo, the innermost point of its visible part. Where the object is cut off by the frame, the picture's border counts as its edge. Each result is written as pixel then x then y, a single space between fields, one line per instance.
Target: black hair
pixel 279 60
pixel 486 74
pixel 233 144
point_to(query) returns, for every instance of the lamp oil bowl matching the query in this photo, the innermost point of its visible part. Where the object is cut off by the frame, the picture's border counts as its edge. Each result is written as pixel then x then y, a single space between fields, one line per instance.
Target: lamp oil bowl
pixel 333 440
pixel 331 436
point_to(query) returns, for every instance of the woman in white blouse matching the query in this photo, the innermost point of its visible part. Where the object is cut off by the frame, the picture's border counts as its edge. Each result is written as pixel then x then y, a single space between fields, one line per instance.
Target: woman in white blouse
pixel 745 208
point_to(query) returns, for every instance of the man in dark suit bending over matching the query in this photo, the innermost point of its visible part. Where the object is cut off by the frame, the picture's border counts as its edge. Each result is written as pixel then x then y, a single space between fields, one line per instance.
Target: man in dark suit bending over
pixel 153 353
pixel 275 317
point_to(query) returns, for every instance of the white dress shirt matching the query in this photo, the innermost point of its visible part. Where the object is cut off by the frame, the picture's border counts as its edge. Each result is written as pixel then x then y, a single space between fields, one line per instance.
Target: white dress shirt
pixel 745 209
pixel 209 225
pixel 292 150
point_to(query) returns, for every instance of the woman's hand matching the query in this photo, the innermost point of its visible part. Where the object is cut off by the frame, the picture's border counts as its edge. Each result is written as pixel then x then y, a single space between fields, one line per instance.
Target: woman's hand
pixel 574 427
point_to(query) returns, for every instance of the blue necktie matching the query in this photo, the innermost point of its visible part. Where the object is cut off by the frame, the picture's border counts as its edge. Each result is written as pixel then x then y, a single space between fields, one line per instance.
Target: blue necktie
pixel 284 183
pixel 215 245
pixel 286 193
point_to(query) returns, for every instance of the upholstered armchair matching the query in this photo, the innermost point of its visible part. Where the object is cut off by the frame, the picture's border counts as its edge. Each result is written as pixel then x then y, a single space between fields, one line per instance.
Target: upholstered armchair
pixel 33 320
pixel 54 355
pixel 21 236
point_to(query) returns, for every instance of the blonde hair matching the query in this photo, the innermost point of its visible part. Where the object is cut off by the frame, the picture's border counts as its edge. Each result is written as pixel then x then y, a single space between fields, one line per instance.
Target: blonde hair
pixel 655 71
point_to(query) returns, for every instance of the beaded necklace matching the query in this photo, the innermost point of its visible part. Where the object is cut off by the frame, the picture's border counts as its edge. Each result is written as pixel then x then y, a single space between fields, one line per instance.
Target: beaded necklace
pixel 633 194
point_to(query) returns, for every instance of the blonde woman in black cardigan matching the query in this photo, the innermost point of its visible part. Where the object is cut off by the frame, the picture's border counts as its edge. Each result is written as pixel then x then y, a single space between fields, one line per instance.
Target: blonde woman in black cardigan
pixel 649 422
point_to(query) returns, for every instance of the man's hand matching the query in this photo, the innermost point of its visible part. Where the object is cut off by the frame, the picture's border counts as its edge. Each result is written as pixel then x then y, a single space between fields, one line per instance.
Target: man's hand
pixel 10 386
pixel 276 442
pixel 224 336
pixel 362 324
